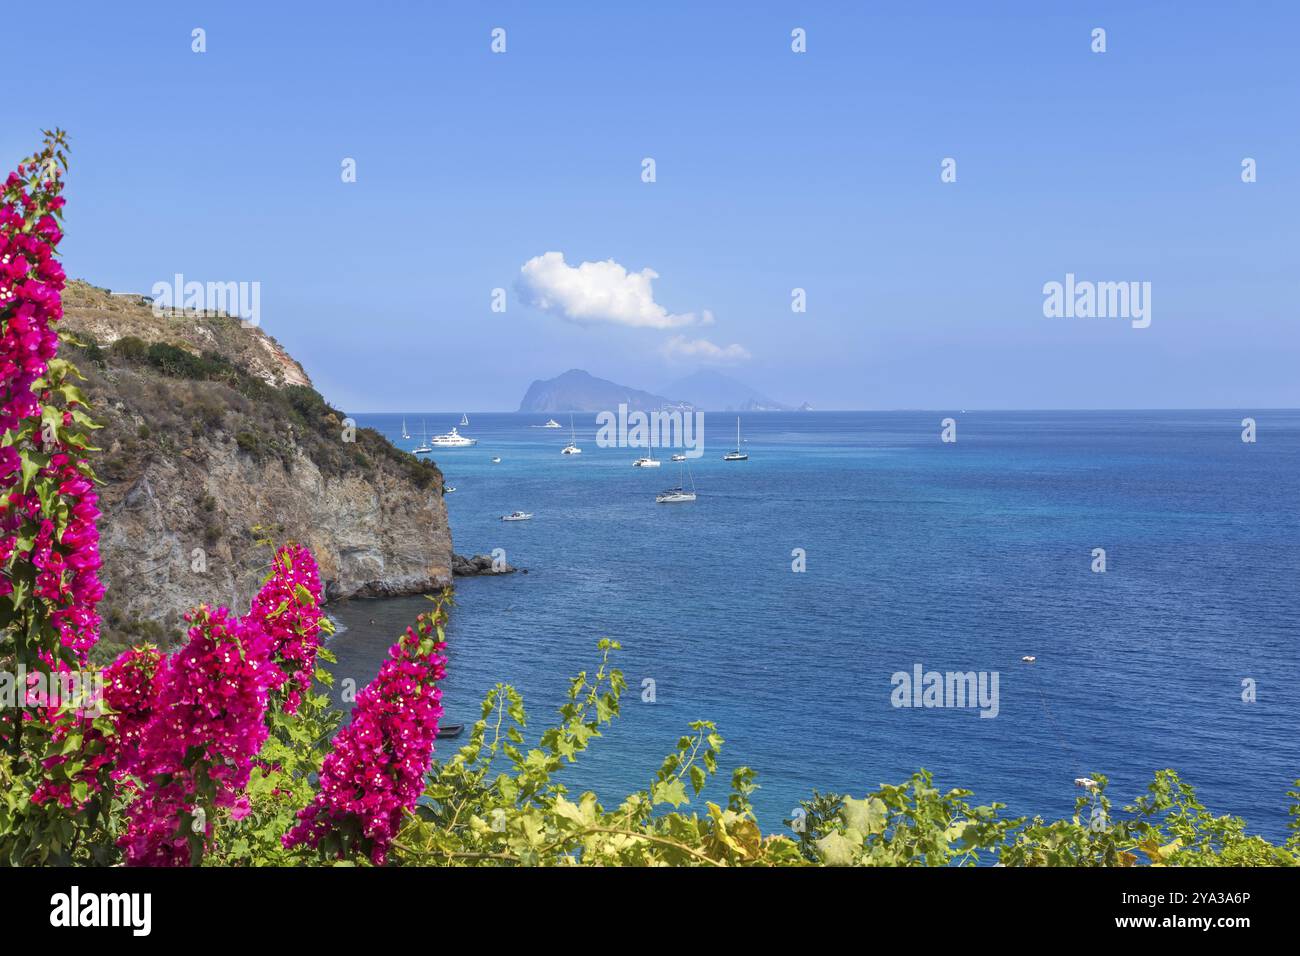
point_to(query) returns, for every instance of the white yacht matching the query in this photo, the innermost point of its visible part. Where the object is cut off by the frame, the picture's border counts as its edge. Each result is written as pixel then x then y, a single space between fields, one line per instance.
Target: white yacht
pixel 453 439
pixel 496 461
pixel 679 457
pixel 679 494
pixel 572 447
pixel 550 423
pixel 736 455
pixel 649 461
pixel 517 516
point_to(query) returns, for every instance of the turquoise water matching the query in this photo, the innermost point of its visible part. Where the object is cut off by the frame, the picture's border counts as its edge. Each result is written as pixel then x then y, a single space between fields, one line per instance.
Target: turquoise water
pixel 959 557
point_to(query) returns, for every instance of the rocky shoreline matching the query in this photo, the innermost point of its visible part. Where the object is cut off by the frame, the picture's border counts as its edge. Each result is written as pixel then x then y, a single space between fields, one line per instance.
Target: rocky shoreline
pixel 480 564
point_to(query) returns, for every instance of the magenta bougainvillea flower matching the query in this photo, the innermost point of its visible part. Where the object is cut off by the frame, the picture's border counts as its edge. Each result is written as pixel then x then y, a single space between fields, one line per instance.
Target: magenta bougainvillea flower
pixel 49 542
pixel 288 609
pixel 375 772
pixel 207 725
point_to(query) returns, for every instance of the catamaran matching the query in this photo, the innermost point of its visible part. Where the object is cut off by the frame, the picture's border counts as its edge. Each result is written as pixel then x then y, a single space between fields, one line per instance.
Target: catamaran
pixel 736 455
pixel 453 439
pixel 649 461
pixel 572 447
pixel 678 494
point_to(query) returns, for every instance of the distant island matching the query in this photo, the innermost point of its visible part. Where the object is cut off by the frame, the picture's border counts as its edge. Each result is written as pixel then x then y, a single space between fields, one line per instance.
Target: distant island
pixel 580 391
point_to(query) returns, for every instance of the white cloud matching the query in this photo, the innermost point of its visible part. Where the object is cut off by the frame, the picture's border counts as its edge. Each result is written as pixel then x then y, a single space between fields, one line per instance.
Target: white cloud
pixel 702 350
pixel 592 292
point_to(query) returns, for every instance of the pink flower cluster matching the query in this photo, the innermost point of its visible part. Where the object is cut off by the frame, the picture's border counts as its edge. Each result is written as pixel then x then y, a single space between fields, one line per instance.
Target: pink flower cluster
pixel 197 748
pixel 129 692
pixel 376 770
pixel 288 608
pixel 191 732
pixel 60 544
pixel 128 695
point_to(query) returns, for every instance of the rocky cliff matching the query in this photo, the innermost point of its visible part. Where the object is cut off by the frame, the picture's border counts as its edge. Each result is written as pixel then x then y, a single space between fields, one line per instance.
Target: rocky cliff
pixel 214 444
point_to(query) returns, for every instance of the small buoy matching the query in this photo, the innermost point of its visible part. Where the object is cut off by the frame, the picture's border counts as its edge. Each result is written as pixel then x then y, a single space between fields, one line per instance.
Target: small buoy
pixel 1086 782
pixel 1028 659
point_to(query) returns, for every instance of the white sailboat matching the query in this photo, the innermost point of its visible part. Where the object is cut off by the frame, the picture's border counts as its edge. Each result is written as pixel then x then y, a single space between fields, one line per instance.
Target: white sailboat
pixel 464 419
pixel 736 455
pixel 572 447
pixel 679 494
pixel 405 434
pixel 422 448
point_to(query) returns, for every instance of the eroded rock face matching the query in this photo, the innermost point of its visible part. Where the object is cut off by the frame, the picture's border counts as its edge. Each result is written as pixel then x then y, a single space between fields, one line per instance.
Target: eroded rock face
pixel 204 465
pixel 372 537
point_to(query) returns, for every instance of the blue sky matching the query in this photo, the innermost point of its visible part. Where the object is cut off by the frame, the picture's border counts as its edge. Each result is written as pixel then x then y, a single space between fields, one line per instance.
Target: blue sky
pixel 775 170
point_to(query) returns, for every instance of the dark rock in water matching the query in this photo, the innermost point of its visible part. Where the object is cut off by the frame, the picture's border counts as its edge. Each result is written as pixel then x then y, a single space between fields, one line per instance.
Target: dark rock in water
pixel 463 567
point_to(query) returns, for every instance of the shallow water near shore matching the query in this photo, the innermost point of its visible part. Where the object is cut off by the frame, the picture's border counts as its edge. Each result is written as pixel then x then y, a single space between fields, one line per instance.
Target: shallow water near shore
pixel 957 557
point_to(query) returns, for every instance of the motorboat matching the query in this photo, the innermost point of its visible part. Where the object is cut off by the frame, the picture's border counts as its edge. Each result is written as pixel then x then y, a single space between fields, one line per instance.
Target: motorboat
pixel 517 516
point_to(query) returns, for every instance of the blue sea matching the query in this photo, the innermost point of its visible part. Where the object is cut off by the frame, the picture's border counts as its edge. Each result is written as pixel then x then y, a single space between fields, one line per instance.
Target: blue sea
pixel 960 556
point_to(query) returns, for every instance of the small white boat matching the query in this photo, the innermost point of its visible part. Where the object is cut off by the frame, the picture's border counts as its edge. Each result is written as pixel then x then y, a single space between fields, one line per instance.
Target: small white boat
pixel 453 439
pixel 673 496
pixel 464 419
pixel 679 457
pixel 448 489
pixel 736 455
pixel 405 434
pixel 1029 659
pixel 550 423
pixel 496 461
pixel 1087 783
pixel 422 448
pixel 647 462
pixel 517 516
pixel 572 447
pixel 679 494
